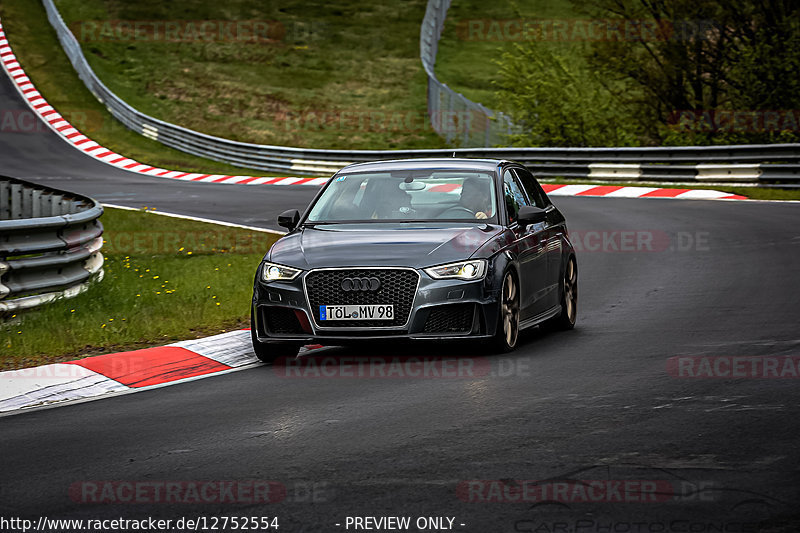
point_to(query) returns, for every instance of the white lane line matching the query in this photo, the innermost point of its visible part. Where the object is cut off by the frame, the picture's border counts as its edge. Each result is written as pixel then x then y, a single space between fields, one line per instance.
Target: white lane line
pixel 198 219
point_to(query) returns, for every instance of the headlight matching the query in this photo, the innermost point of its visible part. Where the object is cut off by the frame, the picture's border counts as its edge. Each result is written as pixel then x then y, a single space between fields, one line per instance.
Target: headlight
pixel 474 269
pixel 273 272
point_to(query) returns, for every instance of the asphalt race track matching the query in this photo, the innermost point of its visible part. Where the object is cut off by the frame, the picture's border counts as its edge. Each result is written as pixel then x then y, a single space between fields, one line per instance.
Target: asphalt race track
pixel 599 403
pixel 39 155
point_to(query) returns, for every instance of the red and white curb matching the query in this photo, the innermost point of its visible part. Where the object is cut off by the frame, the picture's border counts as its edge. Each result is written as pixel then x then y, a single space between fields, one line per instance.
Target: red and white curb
pixel 81 142
pixel 116 373
pixel 618 191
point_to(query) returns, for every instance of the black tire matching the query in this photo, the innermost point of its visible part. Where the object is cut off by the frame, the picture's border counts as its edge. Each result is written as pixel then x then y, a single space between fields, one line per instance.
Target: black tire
pixel 507 334
pixel 569 299
pixel 269 353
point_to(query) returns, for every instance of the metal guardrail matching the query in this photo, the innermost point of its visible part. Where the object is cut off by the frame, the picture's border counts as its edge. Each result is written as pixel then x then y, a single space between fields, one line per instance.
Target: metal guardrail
pixel 693 163
pixel 454 116
pixel 50 244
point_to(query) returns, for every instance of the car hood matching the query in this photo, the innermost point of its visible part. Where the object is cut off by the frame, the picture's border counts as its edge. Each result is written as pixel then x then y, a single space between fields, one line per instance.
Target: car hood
pixel 414 245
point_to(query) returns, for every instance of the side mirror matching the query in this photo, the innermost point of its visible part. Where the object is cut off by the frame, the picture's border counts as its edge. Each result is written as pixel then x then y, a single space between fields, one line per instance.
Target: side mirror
pixel 289 219
pixel 529 214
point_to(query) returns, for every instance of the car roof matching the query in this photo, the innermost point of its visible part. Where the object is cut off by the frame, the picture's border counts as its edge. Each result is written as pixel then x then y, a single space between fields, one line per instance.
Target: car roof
pixel 441 163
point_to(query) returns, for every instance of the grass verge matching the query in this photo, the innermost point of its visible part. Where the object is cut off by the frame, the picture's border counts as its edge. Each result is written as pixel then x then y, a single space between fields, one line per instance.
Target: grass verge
pixel 476 33
pixel 166 279
pixel 341 75
pixel 35 44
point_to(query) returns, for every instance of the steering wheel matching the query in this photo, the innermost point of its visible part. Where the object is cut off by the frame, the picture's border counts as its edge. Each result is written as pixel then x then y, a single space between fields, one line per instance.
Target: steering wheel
pixel 455 210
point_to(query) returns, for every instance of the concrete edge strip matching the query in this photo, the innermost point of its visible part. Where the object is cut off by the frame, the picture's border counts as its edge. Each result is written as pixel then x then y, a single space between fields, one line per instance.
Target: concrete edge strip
pixel 75 138
pixel 111 374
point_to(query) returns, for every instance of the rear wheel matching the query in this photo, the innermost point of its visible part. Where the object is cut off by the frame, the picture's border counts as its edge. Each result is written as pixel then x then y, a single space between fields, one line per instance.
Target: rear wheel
pixel 269 353
pixel 507 334
pixel 569 299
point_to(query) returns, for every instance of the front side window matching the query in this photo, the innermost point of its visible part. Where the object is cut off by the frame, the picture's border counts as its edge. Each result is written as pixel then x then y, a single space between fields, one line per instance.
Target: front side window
pixel 532 188
pixel 418 195
pixel 514 196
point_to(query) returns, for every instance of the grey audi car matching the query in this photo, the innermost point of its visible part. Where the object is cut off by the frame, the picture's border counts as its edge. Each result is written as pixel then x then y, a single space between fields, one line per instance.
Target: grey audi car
pixel 418 249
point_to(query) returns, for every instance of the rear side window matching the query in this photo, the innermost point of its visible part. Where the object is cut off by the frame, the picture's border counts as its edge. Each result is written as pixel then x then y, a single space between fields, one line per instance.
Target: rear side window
pixel 532 187
pixel 514 197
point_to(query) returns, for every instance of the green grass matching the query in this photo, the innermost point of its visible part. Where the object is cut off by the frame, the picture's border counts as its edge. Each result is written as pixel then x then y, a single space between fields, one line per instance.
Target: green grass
pixel 324 59
pixel 466 59
pixel 35 44
pixel 166 279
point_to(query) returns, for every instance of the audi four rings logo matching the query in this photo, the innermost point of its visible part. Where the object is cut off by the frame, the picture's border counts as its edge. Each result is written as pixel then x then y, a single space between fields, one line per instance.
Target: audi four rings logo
pixel 360 284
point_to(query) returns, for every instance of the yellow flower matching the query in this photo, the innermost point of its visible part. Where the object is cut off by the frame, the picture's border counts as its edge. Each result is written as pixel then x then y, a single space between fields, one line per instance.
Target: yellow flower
pixel 188 253
pixel 155 277
pixel 180 249
pixel 102 326
pixel 71 310
pixel 111 320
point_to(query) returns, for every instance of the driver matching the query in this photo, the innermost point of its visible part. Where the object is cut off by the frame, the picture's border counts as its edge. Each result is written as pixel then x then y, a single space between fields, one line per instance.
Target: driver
pixel 475 197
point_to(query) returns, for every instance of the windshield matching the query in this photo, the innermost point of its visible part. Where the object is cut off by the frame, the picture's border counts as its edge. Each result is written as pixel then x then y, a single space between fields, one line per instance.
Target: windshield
pixel 419 195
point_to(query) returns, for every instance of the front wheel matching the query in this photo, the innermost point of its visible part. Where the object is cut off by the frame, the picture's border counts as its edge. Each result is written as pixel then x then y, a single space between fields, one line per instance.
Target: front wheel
pixel 507 334
pixel 269 353
pixel 569 299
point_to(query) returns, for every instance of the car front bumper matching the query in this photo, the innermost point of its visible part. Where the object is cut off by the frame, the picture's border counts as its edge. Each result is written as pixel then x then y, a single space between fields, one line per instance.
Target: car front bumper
pixel 441 310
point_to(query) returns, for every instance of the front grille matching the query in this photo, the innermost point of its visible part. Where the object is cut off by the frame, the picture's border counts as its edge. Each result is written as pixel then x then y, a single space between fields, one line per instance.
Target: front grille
pixel 454 318
pixel 281 320
pixel 398 287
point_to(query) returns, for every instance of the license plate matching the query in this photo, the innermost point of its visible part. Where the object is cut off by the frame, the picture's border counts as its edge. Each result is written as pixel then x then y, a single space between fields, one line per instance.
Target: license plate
pixel 356 312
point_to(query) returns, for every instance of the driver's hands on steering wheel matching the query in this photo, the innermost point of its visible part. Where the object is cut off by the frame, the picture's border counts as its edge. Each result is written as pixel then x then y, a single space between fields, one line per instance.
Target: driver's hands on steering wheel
pixel 481 214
